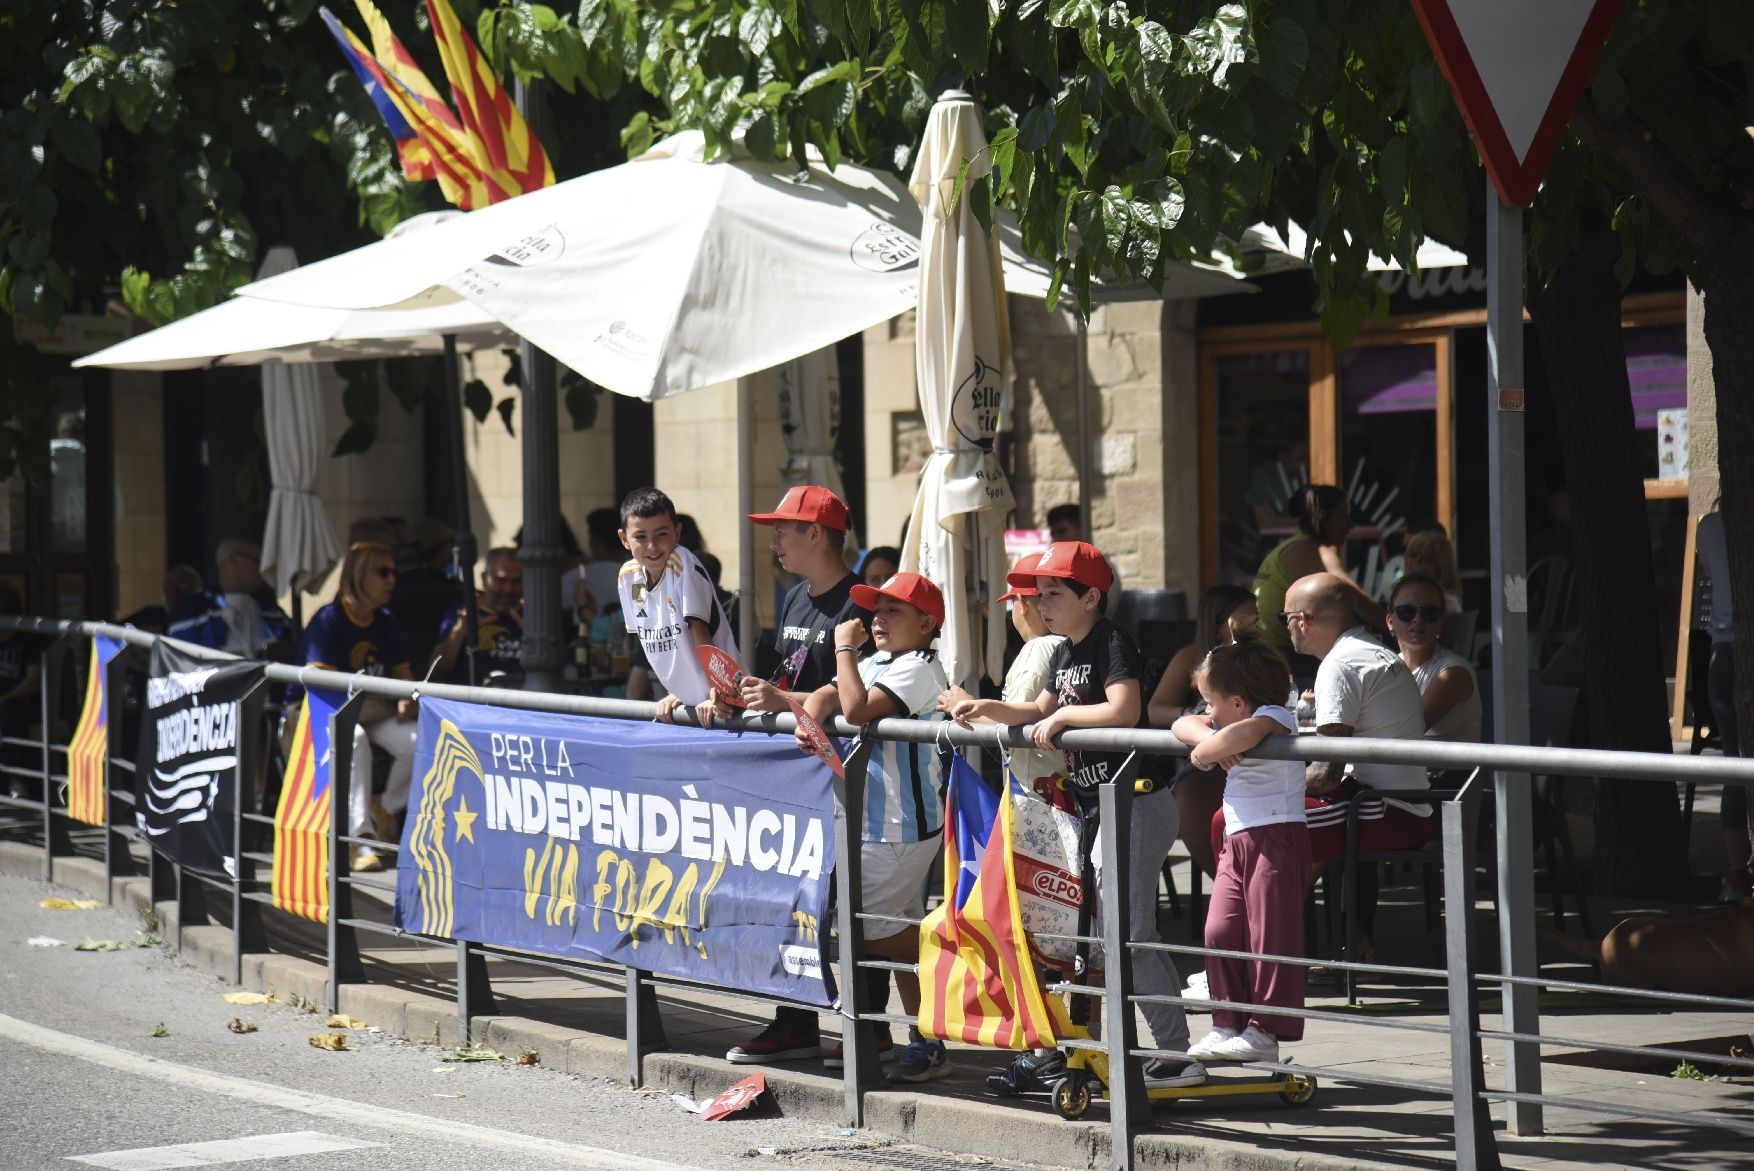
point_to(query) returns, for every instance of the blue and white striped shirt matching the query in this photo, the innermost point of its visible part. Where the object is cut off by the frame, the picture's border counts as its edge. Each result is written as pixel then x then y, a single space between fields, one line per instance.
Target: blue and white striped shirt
pixel 904 788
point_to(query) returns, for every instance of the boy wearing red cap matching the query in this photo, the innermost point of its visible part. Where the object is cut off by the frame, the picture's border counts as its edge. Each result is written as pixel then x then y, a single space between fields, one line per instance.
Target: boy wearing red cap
pixel 809 533
pixel 1095 684
pixel 903 816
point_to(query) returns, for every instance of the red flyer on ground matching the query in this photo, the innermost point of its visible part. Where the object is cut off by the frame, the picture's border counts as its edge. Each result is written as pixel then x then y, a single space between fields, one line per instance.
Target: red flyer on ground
pixel 740 1097
pixel 722 672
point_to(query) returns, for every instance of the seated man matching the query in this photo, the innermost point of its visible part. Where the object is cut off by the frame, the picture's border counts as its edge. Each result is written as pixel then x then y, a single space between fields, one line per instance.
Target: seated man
pixel 1361 689
pixel 499 624
pixel 256 627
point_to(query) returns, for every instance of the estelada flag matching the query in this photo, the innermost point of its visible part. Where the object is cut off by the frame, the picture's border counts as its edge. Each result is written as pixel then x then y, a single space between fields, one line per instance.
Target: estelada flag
pixel 86 799
pixel 498 137
pixel 430 140
pixel 301 823
pixel 977 983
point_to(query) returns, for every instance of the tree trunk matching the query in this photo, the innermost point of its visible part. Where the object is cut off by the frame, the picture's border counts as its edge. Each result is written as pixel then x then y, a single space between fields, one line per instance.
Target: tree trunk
pixel 1639 848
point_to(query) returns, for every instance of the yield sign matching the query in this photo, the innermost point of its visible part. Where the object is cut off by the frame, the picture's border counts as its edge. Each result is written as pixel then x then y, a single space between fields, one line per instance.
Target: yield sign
pixel 1516 70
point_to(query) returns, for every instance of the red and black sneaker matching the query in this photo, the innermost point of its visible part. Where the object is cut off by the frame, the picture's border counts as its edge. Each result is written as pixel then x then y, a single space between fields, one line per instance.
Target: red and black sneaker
pixel 777 1042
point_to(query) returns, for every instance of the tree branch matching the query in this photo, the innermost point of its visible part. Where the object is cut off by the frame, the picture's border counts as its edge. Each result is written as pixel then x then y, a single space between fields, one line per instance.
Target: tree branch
pixel 1720 234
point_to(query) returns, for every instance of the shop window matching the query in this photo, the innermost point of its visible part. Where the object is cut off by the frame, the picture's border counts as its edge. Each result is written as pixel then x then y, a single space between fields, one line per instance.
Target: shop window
pixel 1262 434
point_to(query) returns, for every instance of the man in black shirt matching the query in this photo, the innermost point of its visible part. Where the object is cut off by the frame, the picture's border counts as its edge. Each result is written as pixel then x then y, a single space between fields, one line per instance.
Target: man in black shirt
pixel 809 533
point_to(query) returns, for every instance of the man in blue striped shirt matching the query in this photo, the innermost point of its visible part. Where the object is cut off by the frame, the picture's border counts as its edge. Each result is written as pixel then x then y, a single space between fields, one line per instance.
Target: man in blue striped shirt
pixel 904 795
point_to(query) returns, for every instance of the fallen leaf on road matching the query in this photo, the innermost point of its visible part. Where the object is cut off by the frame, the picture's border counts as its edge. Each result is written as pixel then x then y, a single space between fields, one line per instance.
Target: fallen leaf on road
pixel 110 945
pixel 240 1026
pixel 55 904
pixel 247 998
pixel 529 1057
pixel 46 941
pixel 334 1041
pixel 159 1030
pixel 474 1053
pixel 343 1021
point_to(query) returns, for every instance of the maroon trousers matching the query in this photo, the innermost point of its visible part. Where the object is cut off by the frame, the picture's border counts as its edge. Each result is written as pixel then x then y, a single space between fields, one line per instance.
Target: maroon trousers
pixel 1257 905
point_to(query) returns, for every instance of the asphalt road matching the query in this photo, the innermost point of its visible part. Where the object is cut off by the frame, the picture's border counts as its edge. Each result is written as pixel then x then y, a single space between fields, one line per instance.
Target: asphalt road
pixel 88 1084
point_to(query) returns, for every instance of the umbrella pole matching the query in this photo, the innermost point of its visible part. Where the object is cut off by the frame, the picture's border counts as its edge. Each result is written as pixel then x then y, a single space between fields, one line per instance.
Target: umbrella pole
pixel 745 505
pixel 465 546
pixel 1083 414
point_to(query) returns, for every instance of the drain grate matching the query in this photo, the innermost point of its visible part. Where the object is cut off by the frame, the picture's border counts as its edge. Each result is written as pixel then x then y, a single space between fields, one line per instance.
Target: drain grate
pixel 899 1158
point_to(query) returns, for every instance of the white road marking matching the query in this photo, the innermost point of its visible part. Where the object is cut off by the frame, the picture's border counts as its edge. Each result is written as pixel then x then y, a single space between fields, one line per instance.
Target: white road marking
pixel 229 1150
pixel 330 1109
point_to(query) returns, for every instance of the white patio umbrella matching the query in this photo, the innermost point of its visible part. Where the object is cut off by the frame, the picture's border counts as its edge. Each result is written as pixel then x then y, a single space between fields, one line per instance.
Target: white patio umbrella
pixel 298 543
pixel 962 362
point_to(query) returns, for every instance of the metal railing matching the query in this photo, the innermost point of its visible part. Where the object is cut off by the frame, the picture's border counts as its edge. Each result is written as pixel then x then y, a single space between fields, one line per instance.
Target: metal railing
pixel 1457 832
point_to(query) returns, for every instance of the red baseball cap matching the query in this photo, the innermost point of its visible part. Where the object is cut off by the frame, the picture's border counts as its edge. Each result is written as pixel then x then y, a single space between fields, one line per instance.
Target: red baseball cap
pixel 809 503
pixel 911 588
pixel 1021 579
pixel 1077 561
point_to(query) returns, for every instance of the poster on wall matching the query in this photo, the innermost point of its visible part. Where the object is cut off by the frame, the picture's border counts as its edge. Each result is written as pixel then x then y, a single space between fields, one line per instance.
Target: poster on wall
pixel 186 782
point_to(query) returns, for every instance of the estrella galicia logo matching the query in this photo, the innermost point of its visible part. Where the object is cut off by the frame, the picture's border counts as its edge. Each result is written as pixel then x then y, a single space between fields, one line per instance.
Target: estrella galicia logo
pixel 883 247
pixel 539 247
pixel 974 409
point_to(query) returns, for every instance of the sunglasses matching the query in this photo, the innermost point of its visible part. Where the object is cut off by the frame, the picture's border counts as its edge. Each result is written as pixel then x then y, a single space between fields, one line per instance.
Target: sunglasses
pixel 1406 613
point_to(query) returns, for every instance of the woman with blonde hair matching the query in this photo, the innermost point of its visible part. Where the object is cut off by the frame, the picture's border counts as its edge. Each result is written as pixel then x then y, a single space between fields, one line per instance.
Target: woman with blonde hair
pixel 356 633
pixel 1431 554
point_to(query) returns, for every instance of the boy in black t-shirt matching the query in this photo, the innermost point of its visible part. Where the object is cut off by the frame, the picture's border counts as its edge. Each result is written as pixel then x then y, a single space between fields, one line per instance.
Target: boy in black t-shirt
pixel 1094 683
pixel 809 534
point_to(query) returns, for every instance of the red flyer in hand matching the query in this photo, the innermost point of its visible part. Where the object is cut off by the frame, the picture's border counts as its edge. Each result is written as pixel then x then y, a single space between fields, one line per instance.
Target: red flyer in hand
pixel 818 739
pixel 722 672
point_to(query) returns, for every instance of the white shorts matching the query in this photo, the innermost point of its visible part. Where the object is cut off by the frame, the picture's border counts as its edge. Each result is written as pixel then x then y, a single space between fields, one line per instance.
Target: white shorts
pixel 892 881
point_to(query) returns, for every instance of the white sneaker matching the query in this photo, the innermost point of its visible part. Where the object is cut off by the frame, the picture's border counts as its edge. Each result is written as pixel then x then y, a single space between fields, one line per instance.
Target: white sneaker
pixel 1197 989
pixel 1252 1044
pixel 1206 1048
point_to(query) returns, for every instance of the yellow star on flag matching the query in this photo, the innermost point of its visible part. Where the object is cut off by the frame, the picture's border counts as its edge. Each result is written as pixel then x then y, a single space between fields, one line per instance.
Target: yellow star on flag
pixel 465 820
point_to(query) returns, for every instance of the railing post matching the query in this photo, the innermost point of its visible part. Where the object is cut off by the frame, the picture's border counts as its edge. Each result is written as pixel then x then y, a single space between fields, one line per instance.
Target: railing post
pixel 247 933
pixel 474 989
pixel 860 1070
pixel 55 837
pixel 645 1024
pixel 1128 1106
pixel 343 943
pixel 1476 1148
pixel 118 861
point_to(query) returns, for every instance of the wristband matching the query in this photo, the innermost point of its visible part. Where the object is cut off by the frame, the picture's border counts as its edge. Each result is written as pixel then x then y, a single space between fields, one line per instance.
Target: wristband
pixel 839 649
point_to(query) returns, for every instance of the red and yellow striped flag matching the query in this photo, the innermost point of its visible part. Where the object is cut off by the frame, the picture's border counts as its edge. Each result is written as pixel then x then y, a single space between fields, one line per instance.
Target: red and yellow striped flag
pixel 499 139
pixel 301 823
pixel 87 799
pixel 977 982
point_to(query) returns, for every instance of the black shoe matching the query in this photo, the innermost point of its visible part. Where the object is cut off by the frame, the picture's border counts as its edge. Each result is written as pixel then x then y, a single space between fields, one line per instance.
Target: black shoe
pixel 777 1042
pixel 1029 1074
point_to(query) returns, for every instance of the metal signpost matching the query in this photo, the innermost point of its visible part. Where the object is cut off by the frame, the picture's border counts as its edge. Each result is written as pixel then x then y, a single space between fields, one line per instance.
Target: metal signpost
pixel 1516 71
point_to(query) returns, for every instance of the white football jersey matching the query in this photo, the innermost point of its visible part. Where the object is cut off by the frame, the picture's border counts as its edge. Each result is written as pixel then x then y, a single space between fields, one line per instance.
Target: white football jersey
pixel 658 615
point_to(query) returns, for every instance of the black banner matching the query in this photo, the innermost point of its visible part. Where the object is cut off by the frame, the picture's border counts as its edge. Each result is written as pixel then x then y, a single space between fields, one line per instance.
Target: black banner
pixel 187 780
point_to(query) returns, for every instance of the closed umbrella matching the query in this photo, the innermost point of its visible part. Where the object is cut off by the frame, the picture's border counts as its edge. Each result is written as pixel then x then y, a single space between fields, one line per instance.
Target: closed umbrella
pixel 298 543
pixel 962 338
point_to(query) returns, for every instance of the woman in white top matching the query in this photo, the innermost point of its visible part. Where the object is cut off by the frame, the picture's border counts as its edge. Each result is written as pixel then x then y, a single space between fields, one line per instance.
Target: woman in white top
pixel 1447 688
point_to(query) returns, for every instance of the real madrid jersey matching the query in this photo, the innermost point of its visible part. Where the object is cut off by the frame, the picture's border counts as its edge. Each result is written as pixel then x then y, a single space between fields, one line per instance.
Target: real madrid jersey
pixel 658 615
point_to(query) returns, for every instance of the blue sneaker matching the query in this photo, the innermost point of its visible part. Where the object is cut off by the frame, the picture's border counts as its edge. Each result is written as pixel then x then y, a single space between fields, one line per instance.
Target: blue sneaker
pixel 921 1060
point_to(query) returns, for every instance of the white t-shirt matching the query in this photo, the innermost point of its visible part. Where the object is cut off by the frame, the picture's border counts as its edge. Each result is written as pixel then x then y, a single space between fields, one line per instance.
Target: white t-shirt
pixel 1264 792
pixel 659 615
pixel 904 785
pixel 1026 679
pixel 1364 685
pixel 1461 722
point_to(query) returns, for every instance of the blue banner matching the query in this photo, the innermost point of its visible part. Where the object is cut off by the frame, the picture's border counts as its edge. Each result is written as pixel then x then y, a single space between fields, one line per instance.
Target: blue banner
pixel 702 855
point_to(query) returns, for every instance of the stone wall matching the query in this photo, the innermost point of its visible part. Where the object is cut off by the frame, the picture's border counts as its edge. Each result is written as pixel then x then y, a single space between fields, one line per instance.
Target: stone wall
pixel 1141 376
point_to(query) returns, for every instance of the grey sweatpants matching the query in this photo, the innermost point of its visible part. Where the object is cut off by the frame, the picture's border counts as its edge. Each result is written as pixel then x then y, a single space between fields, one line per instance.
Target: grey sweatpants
pixel 1152 831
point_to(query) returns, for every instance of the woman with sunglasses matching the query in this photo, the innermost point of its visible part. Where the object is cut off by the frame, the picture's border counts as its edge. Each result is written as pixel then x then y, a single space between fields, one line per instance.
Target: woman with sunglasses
pixel 1447 688
pixel 355 633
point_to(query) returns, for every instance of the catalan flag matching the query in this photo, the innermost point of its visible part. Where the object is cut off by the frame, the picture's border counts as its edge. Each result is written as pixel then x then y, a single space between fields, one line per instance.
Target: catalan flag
pixel 499 139
pixel 429 138
pixel 87 800
pixel 977 983
pixel 301 823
